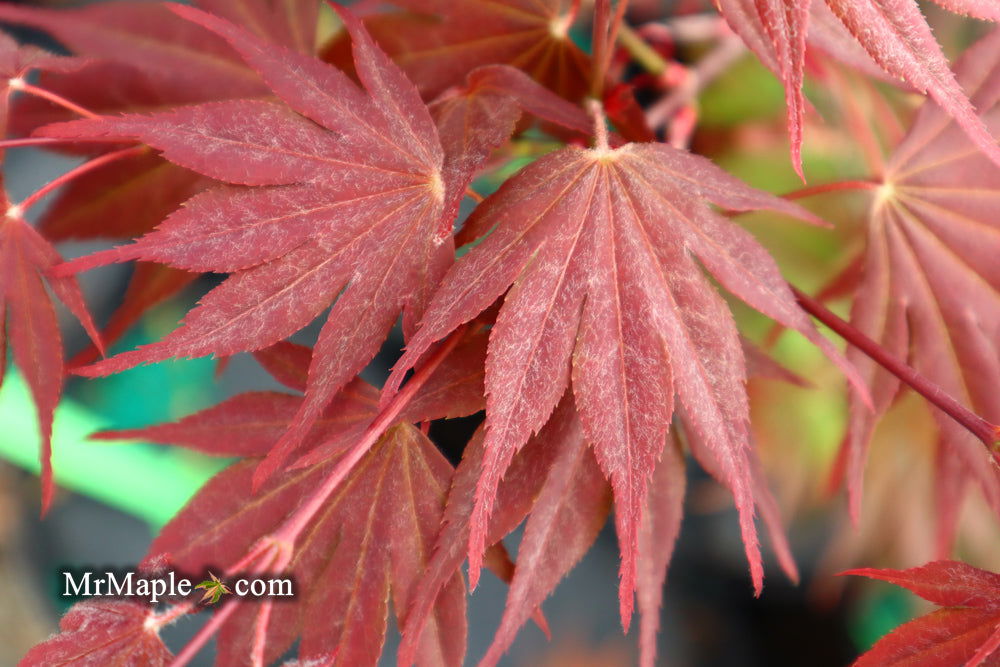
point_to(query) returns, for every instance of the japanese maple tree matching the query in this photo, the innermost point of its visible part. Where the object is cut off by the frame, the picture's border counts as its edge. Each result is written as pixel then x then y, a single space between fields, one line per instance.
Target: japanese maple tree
pixel 326 160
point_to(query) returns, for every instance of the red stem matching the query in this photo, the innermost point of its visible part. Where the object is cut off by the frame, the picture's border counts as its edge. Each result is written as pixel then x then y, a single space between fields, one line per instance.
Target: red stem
pixel 76 172
pixel 260 633
pixel 55 141
pixel 571 15
pixel 171 614
pixel 616 24
pixel 979 427
pixel 205 633
pixel 596 110
pixel 831 187
pixel 25 87
pixel 273 561
pixel 602 19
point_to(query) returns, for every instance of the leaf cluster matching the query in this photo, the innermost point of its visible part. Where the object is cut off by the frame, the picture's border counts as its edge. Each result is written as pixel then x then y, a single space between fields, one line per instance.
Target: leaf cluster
pixel 581 308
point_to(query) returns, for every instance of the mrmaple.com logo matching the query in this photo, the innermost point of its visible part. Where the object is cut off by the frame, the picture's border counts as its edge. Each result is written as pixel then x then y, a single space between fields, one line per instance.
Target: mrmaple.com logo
pixel 153 589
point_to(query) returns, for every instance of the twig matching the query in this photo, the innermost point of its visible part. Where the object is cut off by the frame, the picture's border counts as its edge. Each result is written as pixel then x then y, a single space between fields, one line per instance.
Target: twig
pixel 979 427
pixel 296 523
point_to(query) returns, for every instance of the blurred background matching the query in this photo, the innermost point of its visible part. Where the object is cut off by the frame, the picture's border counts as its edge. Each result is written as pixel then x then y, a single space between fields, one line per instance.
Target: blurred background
pixel 113 497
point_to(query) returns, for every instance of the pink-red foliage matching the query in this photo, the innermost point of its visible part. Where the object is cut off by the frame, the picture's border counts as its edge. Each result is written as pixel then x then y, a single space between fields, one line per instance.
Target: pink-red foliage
pixel 324 173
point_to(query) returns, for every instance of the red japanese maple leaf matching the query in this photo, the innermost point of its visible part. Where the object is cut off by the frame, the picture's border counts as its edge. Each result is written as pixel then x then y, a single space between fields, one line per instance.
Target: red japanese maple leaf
pixel 371 538
pixel 356 550
pixel 31 324
pixel 931 289
pixel 895 35
pixel 439 41
pixel 249 424
pixel 965 632
pixel 555 481
pixel 602 248
pixel 143 57
pixel 368 208
pixel 103 633
pixel 341 196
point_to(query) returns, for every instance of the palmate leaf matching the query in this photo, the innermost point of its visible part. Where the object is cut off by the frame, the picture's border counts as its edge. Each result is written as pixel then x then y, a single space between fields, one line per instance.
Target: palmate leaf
pixel 183 61
pixel 140 56
pixel 158 57
pixel 965 632
pixel 371 538
pixel 95 634
pixel 894 34
pixel 602 248
pixel 345 195
pixel 374 535
pixel 214 589
pixel 438 42
pixel 931 289
pixel 136 50
pixel 555 481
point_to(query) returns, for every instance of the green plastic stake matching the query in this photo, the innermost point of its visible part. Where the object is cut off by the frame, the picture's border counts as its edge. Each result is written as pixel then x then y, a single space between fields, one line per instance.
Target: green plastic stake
pixel 146 481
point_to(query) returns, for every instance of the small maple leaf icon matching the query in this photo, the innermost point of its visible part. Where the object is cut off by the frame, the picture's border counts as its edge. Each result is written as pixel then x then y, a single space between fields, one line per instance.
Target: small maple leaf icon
pixel 214 589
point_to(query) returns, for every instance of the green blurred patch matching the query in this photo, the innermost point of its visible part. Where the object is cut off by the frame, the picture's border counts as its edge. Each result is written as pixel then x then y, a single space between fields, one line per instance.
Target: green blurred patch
pixel 879 613
pixel 151 482
pixel 146 481
pixel 745 92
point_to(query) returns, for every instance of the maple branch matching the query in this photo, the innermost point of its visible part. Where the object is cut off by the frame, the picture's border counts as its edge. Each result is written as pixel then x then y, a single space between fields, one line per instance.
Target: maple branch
pixel 260 633
pixel 616 24
pixel 979 427
pixel 572 13
pixel 76 172
pixel 170 614
pixel 830 187
pixel 23 86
